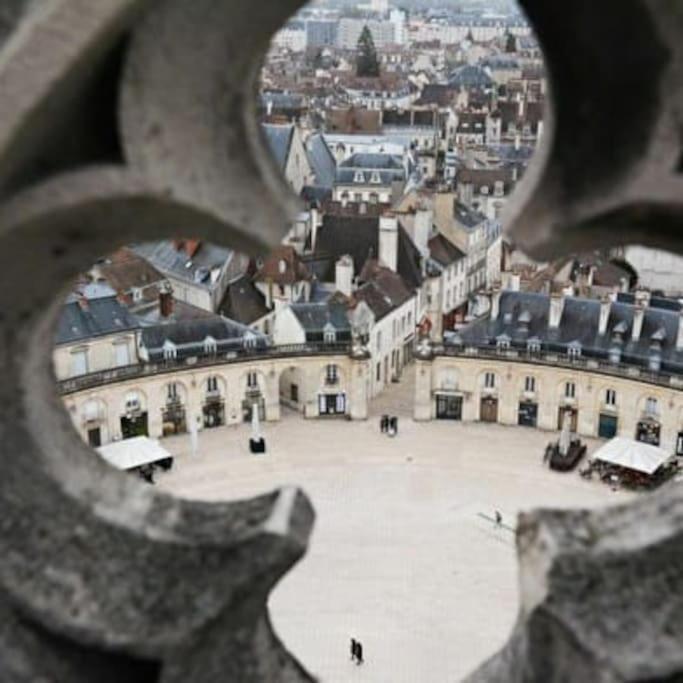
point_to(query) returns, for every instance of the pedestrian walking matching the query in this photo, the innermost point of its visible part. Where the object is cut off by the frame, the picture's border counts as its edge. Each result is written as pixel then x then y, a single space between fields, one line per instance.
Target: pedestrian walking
pixel 499 519
pixel 359 653
pixel 394 424
pixel 354 645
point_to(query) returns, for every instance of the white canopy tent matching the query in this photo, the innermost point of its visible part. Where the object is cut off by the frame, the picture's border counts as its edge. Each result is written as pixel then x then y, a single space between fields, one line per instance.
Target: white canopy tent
pixel 632 455
pixel 131 453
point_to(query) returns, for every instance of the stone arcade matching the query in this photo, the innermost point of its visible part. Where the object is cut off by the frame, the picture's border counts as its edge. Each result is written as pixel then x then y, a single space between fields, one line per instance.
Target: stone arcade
pixel 601 592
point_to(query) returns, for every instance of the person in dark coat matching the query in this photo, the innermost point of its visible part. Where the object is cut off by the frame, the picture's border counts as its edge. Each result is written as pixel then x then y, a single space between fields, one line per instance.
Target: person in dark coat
pixel 359 653
pixel 353 649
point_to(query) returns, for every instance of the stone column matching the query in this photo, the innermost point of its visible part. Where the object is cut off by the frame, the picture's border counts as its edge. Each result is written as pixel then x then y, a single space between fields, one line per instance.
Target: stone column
pixel 424 366
pixel 272 395
pixel 358 387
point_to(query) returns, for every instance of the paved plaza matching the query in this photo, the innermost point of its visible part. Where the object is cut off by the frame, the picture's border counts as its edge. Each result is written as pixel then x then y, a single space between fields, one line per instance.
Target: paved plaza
pixel 404 556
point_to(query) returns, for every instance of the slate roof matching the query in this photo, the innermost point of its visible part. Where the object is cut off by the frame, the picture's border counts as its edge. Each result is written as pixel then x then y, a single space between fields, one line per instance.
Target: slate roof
pixel 279 137
pixel 486 177
pixel 470 77
pixel 443 251
pixel 192 261
pixel 189 337
pixel 314 318
pixel 243 302
pixel 358 237
pixel 322 161
pixel 87 319
pixel 384 293
pixel 373 161
pixel 468 218
pixel 580 323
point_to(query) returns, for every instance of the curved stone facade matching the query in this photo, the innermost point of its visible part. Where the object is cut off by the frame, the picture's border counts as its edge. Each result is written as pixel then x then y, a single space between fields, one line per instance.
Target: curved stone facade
pixel 220 394
pixel 514 386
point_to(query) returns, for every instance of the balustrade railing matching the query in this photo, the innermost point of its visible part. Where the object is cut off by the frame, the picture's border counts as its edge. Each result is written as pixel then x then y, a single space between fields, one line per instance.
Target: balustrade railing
pixel 558 358
pixel 170 365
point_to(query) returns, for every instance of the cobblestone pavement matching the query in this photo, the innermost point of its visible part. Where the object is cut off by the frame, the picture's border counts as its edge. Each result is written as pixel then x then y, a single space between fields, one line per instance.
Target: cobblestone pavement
pixel 404 556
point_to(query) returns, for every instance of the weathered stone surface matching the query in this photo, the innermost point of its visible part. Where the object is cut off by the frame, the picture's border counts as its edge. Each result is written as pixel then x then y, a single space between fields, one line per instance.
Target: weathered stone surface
pixel 608 169
pixel 101 578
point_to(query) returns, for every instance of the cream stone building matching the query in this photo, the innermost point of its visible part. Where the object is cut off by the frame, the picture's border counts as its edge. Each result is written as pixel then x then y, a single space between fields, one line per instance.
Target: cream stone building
pixel 613 369
pixel 158 399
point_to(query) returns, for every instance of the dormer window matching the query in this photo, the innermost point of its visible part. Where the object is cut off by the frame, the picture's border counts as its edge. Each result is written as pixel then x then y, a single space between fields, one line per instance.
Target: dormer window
pixel 484 189
pixel 574 351
pixel 210 345
pixel 249 340
pixel 503 343
pixel 329 334
pixel 359 177
pixel 375 178
pixel 170 350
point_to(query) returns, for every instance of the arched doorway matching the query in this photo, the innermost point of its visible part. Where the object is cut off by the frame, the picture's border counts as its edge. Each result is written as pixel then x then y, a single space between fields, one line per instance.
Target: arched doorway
pixel 174 414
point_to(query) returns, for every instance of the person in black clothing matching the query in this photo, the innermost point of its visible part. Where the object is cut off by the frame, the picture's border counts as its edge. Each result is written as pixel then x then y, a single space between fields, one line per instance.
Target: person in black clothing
pixel 354 645
pixel 359 653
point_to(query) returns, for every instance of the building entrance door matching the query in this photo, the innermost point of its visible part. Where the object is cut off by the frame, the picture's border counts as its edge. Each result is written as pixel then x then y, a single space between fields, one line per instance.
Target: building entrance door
pixel 448 407
pixel 332 404
pixel 607 428
pixel 489 409
pixel 528 414
pixel 649 431
pixel 95 437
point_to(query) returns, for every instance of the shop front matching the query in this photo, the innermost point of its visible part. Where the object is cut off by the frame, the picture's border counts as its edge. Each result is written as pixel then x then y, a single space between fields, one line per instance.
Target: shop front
pixel 214 413
pixel 332 404
pixel 448 407
pixel 649 431
pixel 174 419
pixel 527 415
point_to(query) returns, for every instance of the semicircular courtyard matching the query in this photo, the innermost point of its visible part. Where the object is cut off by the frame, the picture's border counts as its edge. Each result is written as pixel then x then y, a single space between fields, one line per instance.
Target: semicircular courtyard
pixel 406 555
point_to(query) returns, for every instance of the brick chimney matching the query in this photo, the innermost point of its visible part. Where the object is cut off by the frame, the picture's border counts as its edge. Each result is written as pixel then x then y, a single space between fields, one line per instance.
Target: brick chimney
pixel 605 310
pixel 166 301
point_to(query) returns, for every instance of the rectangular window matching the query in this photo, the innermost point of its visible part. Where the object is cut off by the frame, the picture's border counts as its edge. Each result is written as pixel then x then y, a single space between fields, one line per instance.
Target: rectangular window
pixel 379 371
pixel 651 407
pixel 530 384
pixel 79 362
pixel 212 385
pixel 490 380
pixel 252 380
pixel 611 397
pixel 121 354
pixel 570 390
pixel 332 374
pixel 172 392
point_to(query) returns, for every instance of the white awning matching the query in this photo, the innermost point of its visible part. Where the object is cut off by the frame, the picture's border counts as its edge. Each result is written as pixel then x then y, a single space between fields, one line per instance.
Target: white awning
pixel 130 453
pixel 632 455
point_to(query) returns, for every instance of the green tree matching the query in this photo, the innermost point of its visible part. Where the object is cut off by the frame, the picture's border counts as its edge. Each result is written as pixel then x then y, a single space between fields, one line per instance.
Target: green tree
pixel 367 64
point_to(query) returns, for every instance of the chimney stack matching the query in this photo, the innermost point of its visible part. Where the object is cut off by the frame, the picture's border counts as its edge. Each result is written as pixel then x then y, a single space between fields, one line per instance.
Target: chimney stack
pixel 495 301
pixel 605 310
pixel 556 310
pixel 642 302
pixel 344 275
pixel 166 303
pixel 388 241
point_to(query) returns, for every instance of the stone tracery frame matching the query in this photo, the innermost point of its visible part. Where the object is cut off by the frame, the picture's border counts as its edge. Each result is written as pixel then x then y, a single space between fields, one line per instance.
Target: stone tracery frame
pixel 124 120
